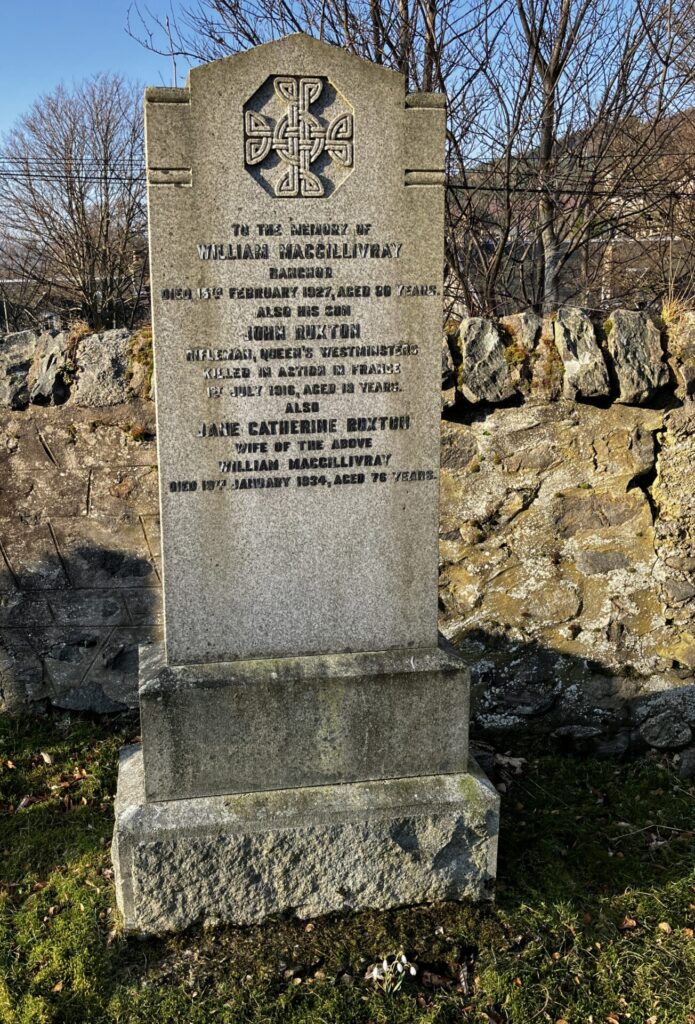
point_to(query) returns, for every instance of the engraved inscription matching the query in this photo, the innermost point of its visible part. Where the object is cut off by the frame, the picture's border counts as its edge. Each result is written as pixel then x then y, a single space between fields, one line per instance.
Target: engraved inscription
pixel 292 151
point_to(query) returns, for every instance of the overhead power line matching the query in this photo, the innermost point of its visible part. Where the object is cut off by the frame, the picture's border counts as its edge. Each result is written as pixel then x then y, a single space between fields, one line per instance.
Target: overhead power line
pixel 46 176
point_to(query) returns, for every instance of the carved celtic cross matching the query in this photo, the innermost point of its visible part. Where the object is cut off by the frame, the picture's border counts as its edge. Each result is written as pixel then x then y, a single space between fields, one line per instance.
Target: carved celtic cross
pixel 298 138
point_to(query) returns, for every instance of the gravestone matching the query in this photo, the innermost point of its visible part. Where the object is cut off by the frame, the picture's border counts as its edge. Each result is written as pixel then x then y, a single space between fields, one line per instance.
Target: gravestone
pixel 304 732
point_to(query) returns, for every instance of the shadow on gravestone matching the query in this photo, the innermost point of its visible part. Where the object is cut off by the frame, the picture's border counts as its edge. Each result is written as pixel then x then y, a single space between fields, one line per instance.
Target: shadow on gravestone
pixel 73 643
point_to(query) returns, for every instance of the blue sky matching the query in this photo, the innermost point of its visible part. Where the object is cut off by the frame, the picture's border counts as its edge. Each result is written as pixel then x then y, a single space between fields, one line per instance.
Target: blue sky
pixel 45 42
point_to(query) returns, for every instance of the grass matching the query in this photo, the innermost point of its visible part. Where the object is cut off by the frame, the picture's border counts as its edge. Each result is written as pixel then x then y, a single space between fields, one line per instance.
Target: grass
pixel 593 920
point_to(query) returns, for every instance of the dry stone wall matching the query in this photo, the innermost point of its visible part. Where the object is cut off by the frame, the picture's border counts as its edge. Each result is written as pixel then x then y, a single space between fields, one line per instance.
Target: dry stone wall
pixel 79 572
pixel 567 537
pixel 567 541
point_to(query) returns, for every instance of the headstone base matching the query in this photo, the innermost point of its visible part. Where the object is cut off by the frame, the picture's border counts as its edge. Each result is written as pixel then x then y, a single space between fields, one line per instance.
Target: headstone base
pixel 248 726
pixel 239 859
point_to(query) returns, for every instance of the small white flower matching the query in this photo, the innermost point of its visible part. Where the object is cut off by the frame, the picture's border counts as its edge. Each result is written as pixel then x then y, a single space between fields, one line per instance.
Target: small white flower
pixel 413 970
pixel 399 968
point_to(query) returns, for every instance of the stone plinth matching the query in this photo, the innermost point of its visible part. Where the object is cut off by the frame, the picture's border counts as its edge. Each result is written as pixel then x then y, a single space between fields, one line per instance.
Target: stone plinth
pixel 306 851
pixel 260 725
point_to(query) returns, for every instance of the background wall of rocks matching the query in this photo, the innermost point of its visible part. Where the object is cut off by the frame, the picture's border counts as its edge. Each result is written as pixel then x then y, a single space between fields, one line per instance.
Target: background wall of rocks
pixel 79 547
pixel 567 524
pixel 568 527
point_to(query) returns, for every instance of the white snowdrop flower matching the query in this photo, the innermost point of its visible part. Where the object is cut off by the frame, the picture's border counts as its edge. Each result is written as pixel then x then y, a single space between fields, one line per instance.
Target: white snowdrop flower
pixel 413 970
pixel 399 968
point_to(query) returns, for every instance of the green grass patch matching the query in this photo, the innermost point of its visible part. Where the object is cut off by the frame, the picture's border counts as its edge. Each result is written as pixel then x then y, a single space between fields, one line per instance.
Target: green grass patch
pixel 593 920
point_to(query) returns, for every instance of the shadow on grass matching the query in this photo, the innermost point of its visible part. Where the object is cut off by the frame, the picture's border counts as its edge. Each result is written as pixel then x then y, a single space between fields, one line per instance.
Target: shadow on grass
pixel 584 844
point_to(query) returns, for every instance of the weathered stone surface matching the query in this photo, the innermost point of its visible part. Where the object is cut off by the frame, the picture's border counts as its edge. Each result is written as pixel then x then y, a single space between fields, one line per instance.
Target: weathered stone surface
pixel 31 553
pixel 71 600
pixel 521 334
pixel 16 354
pixel 681 348
pixel 112 676
pixel 23 610
pixel 67 653
pixel 586 375
pixel 48 376
pixel 22 679
pixel 320 717
pixel 634 344
pixel 88 608
pixel 448 368
pixel 549 581
pixel 523 329
pixel 547 368
pixel 304 851
pixel 483 373
pixel 102 363
pixel 448 376
pixel 107 552
pixel 665 731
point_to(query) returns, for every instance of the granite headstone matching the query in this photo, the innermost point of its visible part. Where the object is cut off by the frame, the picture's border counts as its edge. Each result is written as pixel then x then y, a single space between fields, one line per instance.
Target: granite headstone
pixel 296 237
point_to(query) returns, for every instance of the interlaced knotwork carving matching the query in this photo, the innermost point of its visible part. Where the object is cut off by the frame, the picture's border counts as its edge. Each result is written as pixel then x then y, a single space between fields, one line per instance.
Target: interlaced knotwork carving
pixel 298 137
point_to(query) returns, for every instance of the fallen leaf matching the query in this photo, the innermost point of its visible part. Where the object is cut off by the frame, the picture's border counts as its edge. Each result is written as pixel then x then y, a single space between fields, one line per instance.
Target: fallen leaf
pixel 9 764
pixel 665 927
pixel 626 924
pixel 58 987
pixel 612 1018
pixel 309 927
pixel 48 758
pixel 518 982
pixel 687 932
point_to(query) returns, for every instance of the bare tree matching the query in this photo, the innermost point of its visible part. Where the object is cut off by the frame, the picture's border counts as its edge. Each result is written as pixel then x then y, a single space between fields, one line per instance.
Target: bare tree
pixel 72 199
pixel 561 116
pixel 567 153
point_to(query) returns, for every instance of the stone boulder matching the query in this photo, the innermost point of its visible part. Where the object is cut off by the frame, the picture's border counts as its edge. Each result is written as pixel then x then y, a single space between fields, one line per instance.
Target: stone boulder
pixel 547 368
pixel 634 345
pixel 448 376
pixel 681 344
pixel 49 373
pixel 102 365
pixel 523 329
pixel 483 373
pixel 16 355
pixel 586 375
pixel 522 332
